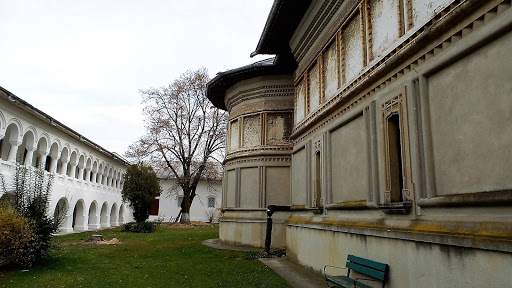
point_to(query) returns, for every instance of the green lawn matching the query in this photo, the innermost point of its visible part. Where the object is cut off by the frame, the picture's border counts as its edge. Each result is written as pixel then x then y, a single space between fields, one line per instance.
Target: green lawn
pixel 171 257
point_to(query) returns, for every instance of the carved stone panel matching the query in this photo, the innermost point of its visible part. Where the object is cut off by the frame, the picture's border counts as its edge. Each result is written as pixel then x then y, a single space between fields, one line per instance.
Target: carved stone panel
pixel 353 47
pixel 300 101
pixel 234 135
pixel 279 128
pixel 314 87
pixel 385 25
pixel 252 131
pixel 423 11
pixel 330 73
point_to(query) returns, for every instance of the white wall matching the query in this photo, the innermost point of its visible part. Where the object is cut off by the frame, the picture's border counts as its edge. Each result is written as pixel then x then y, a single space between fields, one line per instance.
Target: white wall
pixel 169 201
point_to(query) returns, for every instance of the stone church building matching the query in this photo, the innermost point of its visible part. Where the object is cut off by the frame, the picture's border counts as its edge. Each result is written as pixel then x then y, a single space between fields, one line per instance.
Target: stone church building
pixel 385 127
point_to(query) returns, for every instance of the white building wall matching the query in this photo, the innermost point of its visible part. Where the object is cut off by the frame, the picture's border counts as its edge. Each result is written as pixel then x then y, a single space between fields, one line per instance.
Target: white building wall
pixel 94 180
pixel 168 201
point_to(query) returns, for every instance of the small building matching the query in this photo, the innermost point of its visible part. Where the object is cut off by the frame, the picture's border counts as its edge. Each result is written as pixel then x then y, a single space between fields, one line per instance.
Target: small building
pixel 205 206
pixel 385 127
pixel 87 178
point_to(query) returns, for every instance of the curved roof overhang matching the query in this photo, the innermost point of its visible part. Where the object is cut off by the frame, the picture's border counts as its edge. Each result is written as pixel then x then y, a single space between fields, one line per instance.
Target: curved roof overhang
pixel 217 87
pixel 282 21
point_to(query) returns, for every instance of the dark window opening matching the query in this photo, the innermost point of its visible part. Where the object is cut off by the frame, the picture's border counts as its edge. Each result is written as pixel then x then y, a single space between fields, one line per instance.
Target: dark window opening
pixel 154 207
pixel 395 158
pixel 47 163
pixel 318 184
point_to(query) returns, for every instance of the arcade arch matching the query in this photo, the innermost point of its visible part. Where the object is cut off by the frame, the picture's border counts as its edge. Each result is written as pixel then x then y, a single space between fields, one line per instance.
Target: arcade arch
pixel 79 216
pixel 104 215
pixel 93 216
pixel 10 142
pixel 113 215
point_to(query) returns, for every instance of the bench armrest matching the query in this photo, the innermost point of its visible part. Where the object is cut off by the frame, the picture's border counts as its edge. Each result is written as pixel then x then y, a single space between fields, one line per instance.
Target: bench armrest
pixel 330 266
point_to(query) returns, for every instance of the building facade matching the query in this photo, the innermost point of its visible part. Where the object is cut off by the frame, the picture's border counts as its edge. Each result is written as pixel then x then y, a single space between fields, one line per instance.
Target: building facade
pixel 87 178
pixel 384 126
pixel 205 207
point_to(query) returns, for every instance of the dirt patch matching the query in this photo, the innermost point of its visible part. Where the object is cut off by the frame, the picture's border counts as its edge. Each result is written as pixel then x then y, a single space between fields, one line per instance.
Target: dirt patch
pixel 191 225
pixel 102 242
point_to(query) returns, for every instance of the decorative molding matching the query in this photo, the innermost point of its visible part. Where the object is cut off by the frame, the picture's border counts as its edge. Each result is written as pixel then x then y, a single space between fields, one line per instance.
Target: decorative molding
pixel 287 148
pixel 277 106
pixel 260 92
pixel 260 159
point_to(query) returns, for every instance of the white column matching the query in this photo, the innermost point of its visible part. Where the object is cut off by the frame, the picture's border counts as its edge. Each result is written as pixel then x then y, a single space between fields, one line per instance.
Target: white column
pixel 42 156
pixel 73 169
pixel 53 164
pixel 87 175
pixel 30 155
pixel 80 173
pixel 14 150
pixel 64 167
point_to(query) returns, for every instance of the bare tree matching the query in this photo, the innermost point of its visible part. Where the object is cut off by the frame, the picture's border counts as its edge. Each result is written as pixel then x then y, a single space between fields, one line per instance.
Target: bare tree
pixel 185 134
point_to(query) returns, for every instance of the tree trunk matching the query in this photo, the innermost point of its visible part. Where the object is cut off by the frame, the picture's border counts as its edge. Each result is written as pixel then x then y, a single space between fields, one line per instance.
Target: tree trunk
pixel 185 218
pixel 185 207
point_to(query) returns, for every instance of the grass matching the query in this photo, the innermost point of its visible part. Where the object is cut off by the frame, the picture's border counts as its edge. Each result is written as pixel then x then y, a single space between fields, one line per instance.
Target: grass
pixel 170 257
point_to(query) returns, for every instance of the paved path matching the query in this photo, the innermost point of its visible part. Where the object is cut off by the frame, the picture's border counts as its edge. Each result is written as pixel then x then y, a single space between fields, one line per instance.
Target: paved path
pixel 297 276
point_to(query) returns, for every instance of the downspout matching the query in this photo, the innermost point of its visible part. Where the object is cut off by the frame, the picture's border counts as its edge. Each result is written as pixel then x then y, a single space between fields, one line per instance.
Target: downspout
pixel 270 211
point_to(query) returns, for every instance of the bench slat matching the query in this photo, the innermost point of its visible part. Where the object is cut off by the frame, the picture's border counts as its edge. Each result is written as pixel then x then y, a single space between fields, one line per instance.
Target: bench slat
pixel 367 271
pixel 341 280
pixel 369 263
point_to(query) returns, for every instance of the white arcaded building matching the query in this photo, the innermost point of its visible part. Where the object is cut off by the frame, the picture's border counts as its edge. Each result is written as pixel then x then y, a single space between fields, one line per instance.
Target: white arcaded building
pixel 87 178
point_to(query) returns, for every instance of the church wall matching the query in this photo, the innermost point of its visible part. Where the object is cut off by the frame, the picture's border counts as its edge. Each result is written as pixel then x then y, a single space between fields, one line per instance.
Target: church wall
pixel 258 159
pixel 471 135
pixel 349 162
pixel 434 98
pixel 412 264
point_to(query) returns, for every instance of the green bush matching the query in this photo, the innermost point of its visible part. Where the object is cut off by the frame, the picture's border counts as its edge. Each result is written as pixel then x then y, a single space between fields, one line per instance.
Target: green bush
pixel 17 239
pixel 29 195
pixel 140 188
pixel 141 227
pixel 127 227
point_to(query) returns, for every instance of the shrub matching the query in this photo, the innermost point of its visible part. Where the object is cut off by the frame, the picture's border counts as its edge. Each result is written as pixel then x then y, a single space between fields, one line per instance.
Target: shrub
pixel 140 188
pixel 140 227
pixel 127 227
pixel 17 239
pixel 29 195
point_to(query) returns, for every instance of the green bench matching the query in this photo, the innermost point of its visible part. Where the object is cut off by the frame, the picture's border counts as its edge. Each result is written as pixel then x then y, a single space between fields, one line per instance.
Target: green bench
pixel 378 271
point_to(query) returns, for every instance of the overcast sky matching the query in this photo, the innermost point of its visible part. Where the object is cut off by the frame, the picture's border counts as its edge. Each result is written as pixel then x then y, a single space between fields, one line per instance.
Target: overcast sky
pixel 84 62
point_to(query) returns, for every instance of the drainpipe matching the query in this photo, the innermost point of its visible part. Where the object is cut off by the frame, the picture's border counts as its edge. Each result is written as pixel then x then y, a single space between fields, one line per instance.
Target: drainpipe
pixel 270 211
